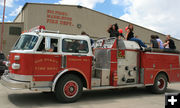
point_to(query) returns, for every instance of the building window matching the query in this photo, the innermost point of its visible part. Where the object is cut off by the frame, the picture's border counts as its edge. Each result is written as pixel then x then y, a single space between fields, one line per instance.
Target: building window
pixel 14 30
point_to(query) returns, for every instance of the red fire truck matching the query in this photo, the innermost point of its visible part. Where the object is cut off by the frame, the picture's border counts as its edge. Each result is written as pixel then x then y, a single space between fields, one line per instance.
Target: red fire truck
pixel 44 60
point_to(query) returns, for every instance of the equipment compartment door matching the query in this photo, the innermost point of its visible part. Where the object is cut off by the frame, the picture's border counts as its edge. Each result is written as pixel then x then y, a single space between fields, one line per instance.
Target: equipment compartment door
pixel 127 69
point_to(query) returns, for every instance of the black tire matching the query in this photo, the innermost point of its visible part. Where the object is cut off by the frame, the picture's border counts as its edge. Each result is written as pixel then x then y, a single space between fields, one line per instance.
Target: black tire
pixel 68 89
pixel 160 84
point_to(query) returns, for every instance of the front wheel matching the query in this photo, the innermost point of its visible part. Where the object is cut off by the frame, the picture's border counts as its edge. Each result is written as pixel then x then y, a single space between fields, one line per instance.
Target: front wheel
pixel 69 88
pixel 160 84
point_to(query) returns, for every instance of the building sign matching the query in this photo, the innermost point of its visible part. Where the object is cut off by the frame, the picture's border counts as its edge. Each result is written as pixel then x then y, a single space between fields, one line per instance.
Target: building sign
pixel 59 17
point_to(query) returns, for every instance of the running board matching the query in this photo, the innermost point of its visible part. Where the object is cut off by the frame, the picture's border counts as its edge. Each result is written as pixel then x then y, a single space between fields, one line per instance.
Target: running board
pixel 115 87
pixel 44 89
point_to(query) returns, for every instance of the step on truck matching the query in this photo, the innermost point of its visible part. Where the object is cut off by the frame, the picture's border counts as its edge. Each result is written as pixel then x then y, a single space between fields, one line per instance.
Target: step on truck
pixel 48 61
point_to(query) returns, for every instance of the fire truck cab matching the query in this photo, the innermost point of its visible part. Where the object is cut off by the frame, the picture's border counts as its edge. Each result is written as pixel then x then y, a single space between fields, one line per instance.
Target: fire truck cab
pixel 44 60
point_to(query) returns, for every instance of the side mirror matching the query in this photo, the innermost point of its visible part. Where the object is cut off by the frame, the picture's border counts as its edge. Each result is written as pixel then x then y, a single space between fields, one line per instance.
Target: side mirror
pixel 47 43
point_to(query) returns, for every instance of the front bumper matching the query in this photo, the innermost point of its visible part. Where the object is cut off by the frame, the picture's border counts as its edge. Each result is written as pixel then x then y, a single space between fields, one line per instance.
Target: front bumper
pixel 13 84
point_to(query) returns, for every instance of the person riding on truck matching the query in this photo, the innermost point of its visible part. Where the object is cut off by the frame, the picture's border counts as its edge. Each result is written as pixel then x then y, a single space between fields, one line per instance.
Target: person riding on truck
pixel 113 31
pixel 169 42
pixel 130 36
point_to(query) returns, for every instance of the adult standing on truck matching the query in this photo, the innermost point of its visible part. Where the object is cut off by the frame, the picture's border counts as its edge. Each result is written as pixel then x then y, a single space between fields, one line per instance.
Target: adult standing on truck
pixel 113 31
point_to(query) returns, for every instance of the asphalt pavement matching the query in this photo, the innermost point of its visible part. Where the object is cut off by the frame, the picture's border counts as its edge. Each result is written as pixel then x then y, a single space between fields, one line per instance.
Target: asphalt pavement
pixel 119 98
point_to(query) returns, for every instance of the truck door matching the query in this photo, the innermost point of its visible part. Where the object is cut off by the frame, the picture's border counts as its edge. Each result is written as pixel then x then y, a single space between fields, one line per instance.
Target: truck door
pixel 75 52
pixel 46 63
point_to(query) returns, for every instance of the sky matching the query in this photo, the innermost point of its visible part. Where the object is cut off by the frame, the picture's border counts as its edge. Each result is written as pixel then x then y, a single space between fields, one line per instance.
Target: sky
pixel 159 15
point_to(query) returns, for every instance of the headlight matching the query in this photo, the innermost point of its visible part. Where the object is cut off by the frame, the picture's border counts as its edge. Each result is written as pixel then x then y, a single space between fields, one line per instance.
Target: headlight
pixel 15 66
pixel 16 57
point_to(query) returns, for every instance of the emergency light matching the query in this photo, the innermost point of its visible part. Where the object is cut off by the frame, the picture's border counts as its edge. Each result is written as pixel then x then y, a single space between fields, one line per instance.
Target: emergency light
pixel 41 28
pixel 37 28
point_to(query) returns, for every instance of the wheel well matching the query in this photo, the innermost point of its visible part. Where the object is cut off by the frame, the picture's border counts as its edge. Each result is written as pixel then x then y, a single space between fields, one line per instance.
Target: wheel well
pixel 77 74
pixel 162 72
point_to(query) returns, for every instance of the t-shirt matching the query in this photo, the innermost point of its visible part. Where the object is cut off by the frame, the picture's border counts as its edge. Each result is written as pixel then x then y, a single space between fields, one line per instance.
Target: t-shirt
pixel 171 44
pixel 113 33
pixel 154 43
pixel 130 35
pixel 161 43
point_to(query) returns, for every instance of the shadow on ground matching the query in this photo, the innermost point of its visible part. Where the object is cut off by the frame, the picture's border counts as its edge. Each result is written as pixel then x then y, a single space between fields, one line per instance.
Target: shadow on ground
pixel 94 97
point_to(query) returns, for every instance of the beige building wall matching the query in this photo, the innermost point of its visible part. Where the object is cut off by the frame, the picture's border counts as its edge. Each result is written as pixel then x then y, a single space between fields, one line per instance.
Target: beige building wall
pixel 79 19
pixel 19 18
pixel 8 39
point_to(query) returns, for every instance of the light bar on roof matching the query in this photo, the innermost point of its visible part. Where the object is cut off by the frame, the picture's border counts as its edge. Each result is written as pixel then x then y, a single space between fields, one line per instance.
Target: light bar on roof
pixel 37 28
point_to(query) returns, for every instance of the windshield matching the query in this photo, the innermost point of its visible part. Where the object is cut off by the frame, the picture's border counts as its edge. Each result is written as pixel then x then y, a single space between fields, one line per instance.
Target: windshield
pixel 26 42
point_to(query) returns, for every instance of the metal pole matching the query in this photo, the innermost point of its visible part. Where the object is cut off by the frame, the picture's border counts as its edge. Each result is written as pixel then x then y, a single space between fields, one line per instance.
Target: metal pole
pixel 2 28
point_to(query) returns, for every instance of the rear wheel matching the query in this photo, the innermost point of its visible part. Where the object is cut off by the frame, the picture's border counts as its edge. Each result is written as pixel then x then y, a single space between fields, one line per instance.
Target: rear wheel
pixel 160 84
pixel 69 88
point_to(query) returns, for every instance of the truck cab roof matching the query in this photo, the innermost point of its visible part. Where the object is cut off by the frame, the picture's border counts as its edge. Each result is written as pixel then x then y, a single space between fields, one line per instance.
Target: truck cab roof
pixel 83 37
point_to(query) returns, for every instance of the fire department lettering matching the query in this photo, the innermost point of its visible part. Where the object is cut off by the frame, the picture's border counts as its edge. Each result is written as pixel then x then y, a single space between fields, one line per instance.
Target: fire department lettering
pixel 45 60
pixel 38 61
pixel 38 68
pixel 50 60
pixel 85 60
